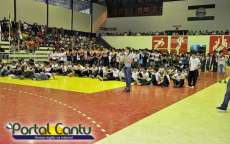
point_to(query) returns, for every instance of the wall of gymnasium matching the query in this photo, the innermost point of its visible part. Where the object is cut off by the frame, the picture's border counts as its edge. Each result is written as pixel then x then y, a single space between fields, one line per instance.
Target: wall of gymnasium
pixel 59 17
pixel 31 11
pixel 35 12
pixel 99 16
pixel 6 8
pixel 147 42
pixel 81 22
pixel 176 13
pixel 136 42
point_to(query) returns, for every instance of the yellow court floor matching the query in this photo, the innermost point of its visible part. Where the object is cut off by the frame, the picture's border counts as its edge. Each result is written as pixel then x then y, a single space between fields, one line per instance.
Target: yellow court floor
pixel 83 85
pixel 194 120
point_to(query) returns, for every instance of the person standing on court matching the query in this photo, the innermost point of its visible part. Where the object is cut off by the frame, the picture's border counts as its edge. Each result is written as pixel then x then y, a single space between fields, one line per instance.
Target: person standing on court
pixel 128 60
pixel 194 64
pixel 224 105
pixel 221 63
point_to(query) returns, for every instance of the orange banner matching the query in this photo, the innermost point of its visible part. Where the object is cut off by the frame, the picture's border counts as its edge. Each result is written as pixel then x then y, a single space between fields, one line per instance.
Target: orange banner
pixel 160 42
pixel 179 43
pixel 219 43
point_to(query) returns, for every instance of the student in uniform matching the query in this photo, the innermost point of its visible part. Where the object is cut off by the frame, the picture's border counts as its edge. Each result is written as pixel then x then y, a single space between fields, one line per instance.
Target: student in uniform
pixel 77 70
pixel 85 71
pixel 121 76
pixel 208 62
pixel 152 72
pixel 144 78
pixel 4 70
pixel 104 73
pixel 203 63
pixel 162 78
pixel 29 72
pixel 221 63
pixel 178 79
pixel 116 73
pixel 135 75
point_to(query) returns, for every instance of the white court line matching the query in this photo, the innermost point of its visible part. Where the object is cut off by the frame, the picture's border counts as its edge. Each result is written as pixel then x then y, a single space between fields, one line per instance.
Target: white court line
pixel 56 101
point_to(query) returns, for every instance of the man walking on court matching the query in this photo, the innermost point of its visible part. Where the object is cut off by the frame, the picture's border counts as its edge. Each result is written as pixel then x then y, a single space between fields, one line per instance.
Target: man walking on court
pixel 224 105
pixel 128 59
pixel 194 64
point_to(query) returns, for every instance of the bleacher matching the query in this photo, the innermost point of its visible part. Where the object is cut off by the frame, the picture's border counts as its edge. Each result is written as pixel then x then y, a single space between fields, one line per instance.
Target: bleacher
pixel 40 55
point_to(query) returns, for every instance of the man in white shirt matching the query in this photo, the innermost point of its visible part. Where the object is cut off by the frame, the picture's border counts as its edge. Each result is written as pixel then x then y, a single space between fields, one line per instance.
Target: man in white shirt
pixel 194 65
pixel 128 60
pixel 221 63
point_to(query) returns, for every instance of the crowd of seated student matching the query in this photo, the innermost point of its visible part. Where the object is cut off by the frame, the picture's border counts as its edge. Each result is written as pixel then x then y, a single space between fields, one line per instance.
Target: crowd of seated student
pixel 25 36
pixel 159 77
pixel 150 67
pixel 140 76
pixel 22 70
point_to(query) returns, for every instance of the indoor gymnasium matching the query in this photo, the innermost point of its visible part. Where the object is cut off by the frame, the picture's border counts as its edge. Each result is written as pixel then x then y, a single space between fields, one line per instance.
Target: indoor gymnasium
pixel 114 71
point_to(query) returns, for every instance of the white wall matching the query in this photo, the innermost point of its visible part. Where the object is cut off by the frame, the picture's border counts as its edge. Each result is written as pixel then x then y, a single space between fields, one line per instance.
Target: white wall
pixel 136 42
pixel 81 22
pixel 176 13
pixel 6 7
pixel 59 17
pixel 31 11
pixel 35 12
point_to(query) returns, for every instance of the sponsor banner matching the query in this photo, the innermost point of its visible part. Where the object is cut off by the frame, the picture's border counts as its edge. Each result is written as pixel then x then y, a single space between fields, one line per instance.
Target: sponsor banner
pixel 219 43
pixel 179 43
pixel 58 131
pixel 160 42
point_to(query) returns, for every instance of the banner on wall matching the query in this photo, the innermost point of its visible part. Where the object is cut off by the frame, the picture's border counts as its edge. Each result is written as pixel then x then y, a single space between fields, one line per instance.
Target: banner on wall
pixel 227 40
pixel 160 42
pixel 179 43
pixel 219 43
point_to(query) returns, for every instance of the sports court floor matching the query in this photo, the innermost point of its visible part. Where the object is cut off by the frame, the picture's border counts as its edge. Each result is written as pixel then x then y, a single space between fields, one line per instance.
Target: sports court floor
pixel 147 115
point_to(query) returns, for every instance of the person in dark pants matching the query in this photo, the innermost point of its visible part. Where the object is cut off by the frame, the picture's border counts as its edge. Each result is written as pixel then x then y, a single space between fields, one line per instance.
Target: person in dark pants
pixel 194 65
pixel 224 105
pixel 127 59
pixel 214 63
pixel 192 78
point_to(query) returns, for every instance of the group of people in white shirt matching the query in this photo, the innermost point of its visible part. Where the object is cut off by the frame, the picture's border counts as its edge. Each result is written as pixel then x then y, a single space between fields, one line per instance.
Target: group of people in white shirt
pixel 148 67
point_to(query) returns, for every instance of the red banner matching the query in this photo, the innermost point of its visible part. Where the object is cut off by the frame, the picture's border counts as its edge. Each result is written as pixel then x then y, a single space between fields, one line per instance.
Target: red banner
pixel 179 43
pixel 160 42
pixel 226 42
pixel 219 43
